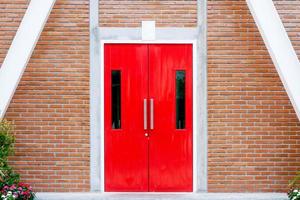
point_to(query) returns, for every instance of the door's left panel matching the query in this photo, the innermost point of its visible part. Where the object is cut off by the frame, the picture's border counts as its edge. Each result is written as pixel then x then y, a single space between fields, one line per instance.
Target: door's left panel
pixel 125 144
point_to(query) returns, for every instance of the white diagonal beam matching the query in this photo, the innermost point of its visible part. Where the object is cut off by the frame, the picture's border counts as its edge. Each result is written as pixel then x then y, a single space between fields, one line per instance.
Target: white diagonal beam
pixel 21 49
pixel 279 46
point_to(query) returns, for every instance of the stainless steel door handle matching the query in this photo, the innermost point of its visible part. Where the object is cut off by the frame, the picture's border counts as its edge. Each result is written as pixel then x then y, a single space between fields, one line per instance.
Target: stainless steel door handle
pixel 145 114
pixel 151 114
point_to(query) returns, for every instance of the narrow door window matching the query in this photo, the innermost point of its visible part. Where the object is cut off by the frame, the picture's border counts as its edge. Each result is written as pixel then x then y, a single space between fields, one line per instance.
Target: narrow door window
pixel 180 99
pixel 116 99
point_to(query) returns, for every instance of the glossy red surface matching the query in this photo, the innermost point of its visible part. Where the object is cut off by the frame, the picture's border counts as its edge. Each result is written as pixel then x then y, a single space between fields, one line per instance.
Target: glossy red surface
pixel 126 149
pixel 170 150
pixel 163 161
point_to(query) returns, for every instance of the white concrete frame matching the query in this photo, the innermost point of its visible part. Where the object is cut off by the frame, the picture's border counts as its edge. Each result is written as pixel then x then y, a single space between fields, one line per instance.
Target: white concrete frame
pixel 195 100
pixel 163 34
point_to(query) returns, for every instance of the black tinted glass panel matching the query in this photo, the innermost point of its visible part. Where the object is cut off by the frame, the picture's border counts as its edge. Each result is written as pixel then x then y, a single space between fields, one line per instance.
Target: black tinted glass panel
pixel 116 99
pixel 180 99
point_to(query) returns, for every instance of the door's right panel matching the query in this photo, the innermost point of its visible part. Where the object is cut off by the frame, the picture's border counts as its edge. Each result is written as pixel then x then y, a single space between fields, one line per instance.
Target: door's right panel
pixel 171 141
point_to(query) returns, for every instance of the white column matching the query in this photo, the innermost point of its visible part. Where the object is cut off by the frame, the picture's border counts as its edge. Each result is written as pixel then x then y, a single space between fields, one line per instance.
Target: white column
pixel 96 153
pixel 279 46
pixel 21 49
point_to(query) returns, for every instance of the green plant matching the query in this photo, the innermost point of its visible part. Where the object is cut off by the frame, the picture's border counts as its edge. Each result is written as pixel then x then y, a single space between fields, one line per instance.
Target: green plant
pixel 10 186
pixel 294 193
pixel 295 181
pixel 20 191
pixel 7 176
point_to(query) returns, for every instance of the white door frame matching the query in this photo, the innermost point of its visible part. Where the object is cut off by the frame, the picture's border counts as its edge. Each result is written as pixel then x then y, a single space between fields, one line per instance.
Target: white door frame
pixel 199 34
pixel 196 92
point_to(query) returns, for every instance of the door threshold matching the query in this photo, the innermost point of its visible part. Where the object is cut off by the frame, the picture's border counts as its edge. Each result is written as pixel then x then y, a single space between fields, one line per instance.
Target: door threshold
pixel 160 196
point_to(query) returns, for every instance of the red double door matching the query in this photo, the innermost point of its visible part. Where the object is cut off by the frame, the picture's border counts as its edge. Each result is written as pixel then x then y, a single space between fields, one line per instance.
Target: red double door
pixel 148 118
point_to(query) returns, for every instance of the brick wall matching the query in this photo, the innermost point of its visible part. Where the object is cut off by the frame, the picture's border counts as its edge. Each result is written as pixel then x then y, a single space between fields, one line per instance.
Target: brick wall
pixel 130 13
pixel 253 130
pixel 11 13
pixel 51 106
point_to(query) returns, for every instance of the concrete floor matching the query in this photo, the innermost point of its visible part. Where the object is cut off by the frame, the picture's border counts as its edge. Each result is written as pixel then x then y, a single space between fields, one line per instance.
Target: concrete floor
pixel 156 196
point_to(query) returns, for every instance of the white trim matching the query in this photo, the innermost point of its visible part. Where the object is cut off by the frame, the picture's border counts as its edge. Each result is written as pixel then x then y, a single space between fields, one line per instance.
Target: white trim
pixel 21 49
pixel 279 46
pixel 102 115
pixel 195 121
pixel 202 100
pixel 95 112
pixel 113 33
pixel 195 96
pixel 194 42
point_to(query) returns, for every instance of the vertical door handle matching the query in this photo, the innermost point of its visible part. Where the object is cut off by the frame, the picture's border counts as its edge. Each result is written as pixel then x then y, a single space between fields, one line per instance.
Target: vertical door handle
pixel 145 114
pixel 151 114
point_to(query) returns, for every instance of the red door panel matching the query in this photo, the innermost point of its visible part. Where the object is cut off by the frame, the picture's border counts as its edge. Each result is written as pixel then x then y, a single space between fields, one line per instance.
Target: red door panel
pixel 162 161
pixel 170 149
pixel 126 148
